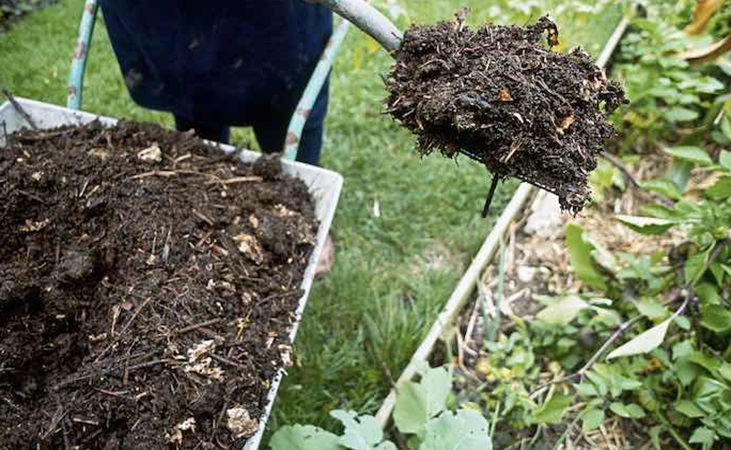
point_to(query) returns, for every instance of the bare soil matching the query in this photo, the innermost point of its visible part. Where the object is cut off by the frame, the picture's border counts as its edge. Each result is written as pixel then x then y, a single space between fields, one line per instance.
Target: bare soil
pixel 147 286
pixel 504 98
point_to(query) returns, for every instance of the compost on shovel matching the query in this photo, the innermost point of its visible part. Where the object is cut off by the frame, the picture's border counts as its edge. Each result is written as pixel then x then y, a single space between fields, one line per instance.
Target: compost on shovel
pixel 501 96
pixel 147 288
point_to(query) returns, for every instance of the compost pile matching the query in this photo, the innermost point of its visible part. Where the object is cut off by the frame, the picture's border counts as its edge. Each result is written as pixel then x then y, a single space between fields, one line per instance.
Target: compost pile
pixel 501 96
pixel 147 287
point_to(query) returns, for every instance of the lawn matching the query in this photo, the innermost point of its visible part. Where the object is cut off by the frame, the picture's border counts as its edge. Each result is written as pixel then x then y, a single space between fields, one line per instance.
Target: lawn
pixel 394 270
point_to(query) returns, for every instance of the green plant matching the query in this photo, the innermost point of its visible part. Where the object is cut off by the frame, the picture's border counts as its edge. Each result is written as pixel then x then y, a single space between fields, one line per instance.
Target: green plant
pixel 420 412
pixel 649 337
pixel 664 89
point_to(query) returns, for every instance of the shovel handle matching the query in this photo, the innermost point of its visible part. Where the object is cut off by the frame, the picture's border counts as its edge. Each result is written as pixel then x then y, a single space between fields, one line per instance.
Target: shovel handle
pixel 368 19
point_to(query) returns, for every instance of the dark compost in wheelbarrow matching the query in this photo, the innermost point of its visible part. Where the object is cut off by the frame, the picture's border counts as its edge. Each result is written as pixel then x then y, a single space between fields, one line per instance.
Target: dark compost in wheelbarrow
pixel 510 102
pixel 147 285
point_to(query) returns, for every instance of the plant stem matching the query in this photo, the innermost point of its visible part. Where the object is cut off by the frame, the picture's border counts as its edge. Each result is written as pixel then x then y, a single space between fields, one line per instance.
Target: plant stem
pixel 678 438
pixel 566 432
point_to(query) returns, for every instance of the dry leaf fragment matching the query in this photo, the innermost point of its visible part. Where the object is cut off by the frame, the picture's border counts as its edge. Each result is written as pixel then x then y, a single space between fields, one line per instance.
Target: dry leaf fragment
pixel 31 226
pixel 240 423
pixel 151 153
pixel 504 95
pixel 567 121
pixel 249 246
pixel 702 14
pixel 176 437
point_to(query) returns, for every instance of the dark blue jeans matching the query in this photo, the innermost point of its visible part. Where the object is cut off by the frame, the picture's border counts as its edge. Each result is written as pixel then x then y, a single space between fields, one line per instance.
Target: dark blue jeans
pixel 220 63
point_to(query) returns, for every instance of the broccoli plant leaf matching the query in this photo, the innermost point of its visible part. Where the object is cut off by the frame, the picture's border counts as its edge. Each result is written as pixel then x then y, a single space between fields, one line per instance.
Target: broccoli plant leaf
pixel 304 437
pixel 416 403
pixel 460 430
pixel 361 432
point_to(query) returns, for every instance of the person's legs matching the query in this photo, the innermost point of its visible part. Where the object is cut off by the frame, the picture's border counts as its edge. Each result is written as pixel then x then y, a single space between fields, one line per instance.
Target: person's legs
pixel 218 133
pixel 272 133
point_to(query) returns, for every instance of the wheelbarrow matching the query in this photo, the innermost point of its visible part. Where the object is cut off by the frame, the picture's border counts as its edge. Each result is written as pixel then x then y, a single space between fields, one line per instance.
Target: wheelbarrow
pixel 325 185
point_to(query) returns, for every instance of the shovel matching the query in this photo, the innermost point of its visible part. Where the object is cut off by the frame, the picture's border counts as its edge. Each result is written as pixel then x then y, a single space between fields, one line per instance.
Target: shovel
pixel 373 23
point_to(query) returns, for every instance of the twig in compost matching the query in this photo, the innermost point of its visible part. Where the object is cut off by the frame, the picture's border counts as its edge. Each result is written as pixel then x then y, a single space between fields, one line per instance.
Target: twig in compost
pixel 202 217
pixel 172 173
pixel 32 196
pixel 196 326
pixel 20 109
pixel 228 361
pixel 235 180
pixel 124 329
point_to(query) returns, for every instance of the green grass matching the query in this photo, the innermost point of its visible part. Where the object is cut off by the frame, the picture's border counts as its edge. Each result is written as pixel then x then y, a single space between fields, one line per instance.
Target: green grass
pixel 393 273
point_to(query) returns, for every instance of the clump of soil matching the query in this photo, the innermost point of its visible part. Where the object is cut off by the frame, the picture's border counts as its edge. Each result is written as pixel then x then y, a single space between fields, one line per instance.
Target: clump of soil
pixel 500 96
pixel 147 286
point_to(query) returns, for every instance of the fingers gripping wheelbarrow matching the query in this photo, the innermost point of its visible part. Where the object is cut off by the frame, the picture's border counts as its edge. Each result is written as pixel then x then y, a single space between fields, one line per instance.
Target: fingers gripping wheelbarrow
pixel 299 118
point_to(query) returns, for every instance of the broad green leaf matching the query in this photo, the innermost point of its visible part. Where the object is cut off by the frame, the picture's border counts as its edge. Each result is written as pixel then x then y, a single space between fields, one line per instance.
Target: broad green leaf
pixel 581 260
pixel 643 343
pixel 563 311
pixel 599 383
pixel 553 410
pixel 724 158
pixel 460 430
pixel 586 390
pixel 680 114
pixel 716 318
pixel 717 271
pixel 361 433
pixel 690 153
pixel 303 437
pixel 679 173
pixel 707 387
pixel 683 322
pixel 592 419
pixel 652 309
pixel 663 187
pixel 708 362
pixel 721 189
pixel 682 349
pixel 689 409
pixel 646 225
pixel 416 403
pixel 708 85
pixel 632 410
pixel 708 294
pixel 695 266
pixel 703 436
pixel 725 371
pixel 687 372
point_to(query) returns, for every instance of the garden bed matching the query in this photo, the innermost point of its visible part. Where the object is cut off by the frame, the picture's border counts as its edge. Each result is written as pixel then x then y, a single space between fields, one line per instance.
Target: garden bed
pixel 150 287
pixel 539 277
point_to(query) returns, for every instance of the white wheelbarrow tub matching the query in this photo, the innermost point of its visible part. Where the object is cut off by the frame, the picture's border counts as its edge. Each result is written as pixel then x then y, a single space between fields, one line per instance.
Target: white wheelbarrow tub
pixel 325 187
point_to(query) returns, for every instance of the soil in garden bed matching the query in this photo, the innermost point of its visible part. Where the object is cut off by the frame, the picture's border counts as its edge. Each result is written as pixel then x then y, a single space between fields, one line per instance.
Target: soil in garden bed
pixel 500 95
pixel 147 285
